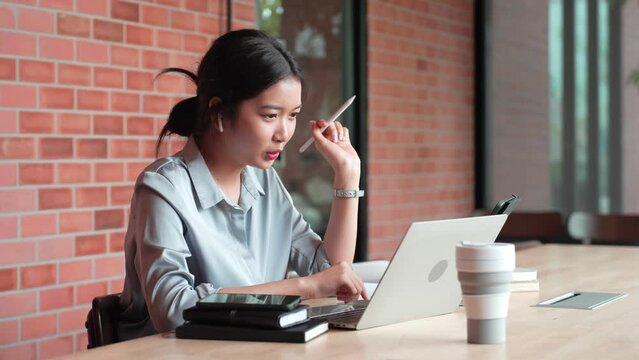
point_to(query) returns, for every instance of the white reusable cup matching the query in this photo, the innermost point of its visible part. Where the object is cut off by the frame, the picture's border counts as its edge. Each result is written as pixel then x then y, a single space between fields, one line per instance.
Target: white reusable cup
pixel 485 273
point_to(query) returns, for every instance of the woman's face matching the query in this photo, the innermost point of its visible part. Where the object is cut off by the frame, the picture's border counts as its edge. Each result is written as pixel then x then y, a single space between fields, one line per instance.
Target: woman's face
pixel 264 124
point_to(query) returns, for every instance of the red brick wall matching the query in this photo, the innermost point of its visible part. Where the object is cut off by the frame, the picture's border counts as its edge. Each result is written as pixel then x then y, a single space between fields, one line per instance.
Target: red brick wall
pixel 79 116
pixel 421 126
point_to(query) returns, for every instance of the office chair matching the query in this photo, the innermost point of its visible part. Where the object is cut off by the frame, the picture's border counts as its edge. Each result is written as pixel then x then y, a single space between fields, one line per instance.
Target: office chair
pixel 604 229
pixel 102 321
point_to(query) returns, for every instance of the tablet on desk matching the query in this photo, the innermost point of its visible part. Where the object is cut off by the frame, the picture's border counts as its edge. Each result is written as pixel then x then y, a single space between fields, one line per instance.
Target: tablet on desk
pixel 250 301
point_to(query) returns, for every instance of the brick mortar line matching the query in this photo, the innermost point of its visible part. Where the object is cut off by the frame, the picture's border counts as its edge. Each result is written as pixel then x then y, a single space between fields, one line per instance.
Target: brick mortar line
pixel 411 71
pixel 422 123
pixel 92 88
pixel 373 80
pixel 58 211
pixel 427 116
pixel 395 99
pixel 417 26
pixel 439 186
pixel 61 285
pixel 435 74
pixel 108 280
pixel 411 130
pixel 77 62
pixel 60 262
pixel 410 176
pixel 93 280
pixel 80 63
pixel 59 236
pixel 406 86
pixel 417 161
pixel 407 10
pixel 445 4
pixel 109 17
pixel 58 112
pixel 416 204
pixel 45 338
pixel 420 131
pixel 91 39
pixel 431 94
pixel 420 147
pixel 75 161
pixel 417 121
pixel 77 135
pixel 71 160
pixel 73 135
pixel 412 56
pixel 420 44
pixel 431 190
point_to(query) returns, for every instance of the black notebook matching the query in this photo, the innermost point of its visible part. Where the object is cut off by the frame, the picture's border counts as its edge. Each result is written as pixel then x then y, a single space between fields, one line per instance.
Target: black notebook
pixel 261 318
pixel 295 334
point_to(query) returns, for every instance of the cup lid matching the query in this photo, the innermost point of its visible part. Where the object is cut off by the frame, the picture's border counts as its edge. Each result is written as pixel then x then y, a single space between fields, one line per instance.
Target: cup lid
pixel 482 251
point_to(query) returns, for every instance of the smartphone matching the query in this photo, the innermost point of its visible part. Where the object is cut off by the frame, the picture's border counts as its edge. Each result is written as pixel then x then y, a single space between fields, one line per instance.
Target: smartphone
pixel 506 206
pixel 250 301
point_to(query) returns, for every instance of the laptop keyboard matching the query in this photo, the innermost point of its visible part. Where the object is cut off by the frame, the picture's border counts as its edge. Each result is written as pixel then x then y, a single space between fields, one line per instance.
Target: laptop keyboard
pixel 341 313
pixel 350 317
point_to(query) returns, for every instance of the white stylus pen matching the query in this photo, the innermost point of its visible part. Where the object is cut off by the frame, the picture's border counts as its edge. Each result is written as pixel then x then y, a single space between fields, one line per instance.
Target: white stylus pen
pixel 329 122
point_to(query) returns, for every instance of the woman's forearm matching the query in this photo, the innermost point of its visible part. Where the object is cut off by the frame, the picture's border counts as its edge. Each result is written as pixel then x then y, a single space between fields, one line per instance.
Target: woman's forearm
pixel 297 286
pixel 341 232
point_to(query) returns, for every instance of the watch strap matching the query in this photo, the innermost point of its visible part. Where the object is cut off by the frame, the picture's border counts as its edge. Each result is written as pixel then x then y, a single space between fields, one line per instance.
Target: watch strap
pixel 341 193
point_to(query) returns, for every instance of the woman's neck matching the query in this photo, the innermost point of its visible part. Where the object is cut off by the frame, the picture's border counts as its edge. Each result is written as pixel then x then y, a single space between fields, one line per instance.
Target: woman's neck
pixel 227 174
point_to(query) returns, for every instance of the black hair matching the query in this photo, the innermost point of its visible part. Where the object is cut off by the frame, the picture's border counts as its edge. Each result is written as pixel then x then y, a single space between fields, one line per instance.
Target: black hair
pixel 238 66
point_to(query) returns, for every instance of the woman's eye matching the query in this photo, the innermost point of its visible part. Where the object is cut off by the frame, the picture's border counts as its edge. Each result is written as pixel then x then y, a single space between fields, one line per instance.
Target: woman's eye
pixel 294 115
pixel 271 116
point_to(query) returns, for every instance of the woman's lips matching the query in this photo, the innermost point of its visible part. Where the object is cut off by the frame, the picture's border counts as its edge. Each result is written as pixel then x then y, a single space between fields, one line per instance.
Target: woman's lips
pixel 272 155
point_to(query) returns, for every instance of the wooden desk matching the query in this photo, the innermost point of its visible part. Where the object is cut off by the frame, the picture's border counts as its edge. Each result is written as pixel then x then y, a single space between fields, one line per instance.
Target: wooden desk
pixel 609 332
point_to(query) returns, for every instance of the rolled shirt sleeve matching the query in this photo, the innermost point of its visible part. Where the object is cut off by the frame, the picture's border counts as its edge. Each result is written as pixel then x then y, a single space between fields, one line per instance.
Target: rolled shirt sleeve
pixel 161 262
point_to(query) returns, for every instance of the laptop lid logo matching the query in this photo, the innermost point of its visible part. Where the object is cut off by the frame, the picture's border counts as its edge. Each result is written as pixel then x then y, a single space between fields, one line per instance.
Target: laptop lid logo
pixel 438 270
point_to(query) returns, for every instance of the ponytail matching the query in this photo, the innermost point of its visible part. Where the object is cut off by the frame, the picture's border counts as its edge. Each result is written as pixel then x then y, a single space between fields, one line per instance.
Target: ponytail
pixel 183 118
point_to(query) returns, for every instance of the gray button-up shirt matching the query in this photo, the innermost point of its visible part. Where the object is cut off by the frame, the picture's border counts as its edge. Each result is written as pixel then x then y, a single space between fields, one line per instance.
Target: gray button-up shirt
pixel 185 240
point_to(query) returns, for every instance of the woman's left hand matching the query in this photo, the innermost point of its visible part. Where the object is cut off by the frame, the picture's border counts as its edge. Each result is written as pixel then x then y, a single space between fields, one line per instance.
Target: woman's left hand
pixel 335 146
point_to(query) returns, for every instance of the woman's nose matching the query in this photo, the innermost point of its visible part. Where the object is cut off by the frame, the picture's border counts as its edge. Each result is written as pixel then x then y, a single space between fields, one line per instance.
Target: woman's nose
pixel 282 132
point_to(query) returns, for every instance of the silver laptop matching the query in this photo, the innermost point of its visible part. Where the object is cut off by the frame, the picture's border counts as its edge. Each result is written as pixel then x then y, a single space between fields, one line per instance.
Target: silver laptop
pixel 421 279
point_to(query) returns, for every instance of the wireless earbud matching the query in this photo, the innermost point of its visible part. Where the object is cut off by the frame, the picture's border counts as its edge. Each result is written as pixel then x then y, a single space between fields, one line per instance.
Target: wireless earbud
pixel 219 122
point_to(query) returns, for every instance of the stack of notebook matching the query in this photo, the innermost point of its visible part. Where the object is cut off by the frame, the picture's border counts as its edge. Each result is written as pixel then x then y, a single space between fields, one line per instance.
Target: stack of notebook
pixel 250 324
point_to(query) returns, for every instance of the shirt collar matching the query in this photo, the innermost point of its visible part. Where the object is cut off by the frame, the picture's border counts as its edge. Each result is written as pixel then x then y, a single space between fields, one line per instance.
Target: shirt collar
pixel 208 193
pixel 250 186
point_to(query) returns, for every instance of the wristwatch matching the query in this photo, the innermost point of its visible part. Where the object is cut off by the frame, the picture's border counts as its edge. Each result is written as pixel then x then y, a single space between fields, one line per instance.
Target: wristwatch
pixel 340 193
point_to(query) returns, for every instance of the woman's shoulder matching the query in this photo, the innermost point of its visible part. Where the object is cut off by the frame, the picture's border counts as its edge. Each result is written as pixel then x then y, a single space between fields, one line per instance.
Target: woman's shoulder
pixel 171 168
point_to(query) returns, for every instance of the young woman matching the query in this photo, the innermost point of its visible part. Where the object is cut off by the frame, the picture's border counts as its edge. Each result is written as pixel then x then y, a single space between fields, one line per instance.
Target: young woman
pixel 215 217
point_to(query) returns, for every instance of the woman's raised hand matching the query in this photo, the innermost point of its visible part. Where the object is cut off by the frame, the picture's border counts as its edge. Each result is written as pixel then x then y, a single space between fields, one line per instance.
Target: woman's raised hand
pixel 335 146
